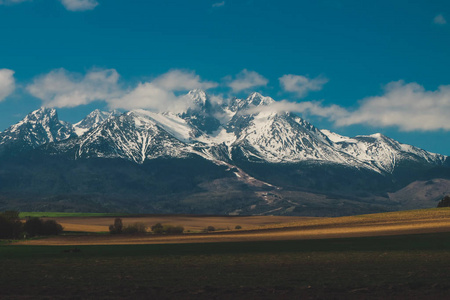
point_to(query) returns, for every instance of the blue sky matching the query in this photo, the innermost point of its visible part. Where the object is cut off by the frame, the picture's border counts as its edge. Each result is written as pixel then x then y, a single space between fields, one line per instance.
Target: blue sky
pixel 354 67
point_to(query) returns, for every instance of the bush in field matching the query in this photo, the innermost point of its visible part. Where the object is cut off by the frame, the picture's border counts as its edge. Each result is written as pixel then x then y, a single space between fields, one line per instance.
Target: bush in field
pixel 167 229
pixel 445 202
pixel 117 227
pixel 36 226
pixel 210 228
pixel 10 225
pixel 158 228
pixel 138 227
pixel 238 227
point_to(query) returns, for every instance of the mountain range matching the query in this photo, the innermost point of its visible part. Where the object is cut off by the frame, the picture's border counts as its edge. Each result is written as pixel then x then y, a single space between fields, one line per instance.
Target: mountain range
pixel 237 157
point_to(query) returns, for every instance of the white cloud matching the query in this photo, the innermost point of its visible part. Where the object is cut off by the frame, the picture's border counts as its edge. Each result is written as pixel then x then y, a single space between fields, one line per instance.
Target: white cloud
pixel 180 80
pixel 246 80
pixel 160 93
pixel 7 83
pixel 439 19
pixel 79 5
pixel 406 106
pixel 10 2
pixel 61 88
pixel 219 4
pixel 301 85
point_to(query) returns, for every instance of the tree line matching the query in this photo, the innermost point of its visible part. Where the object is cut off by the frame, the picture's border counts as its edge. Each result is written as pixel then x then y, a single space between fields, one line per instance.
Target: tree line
pixel 11 227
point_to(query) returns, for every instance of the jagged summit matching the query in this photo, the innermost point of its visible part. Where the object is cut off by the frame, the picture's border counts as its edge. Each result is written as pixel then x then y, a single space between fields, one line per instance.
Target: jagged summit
pixel 252 101
pixel 93 119
pixel 235 157
pixel 256 135
pixel 39 127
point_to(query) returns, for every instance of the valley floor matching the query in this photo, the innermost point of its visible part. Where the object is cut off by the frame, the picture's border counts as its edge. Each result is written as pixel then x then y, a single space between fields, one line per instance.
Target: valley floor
pixel 390 267
pixel 255 228
pixel 401 255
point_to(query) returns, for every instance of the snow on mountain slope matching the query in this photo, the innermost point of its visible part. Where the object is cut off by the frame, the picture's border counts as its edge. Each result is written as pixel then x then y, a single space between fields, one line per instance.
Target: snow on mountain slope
pixel 133 136
pixel 214 131
pixel 39 127
pixel 380 151
pixel 93 119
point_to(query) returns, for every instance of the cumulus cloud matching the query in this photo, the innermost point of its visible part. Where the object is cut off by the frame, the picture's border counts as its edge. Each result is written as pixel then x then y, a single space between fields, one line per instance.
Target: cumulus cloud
pixel 440 20
pixel 246 80
pixel 79 5
pixel 219 4
pixel 314 108
pixel 301 85
pixel 7 83
pixel 160 94
pixel 61 88
pixel 407 106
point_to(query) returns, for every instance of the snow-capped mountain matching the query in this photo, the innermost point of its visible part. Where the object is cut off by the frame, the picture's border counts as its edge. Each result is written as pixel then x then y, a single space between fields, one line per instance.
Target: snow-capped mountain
pixel 240 152
pixel 134 136
pixel 93 119
pixel 250 129
pixel 381 151
pixel 40 127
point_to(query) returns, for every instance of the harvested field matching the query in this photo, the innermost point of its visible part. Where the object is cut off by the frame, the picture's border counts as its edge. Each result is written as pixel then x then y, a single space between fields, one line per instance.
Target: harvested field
pixel 257 228
pixel 189 222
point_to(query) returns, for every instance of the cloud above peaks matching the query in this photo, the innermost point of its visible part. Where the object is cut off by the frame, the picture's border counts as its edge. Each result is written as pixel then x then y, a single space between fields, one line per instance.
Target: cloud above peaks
pixel 440 20
pixel 160 94
pixel 79 5
pixel 407 106
pixel 301 85
pixel 246 80
pixel 180 80
pixel 218 4
pixel 61 88
pixel 7 83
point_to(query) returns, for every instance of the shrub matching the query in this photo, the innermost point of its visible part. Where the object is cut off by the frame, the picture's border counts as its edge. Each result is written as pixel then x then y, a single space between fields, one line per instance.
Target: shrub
pixel 10 225
pixel 158 228
pixel 51 227
pixel 445 202
pixel 238 227
pixel 210 228
pixel 167 229
pixel 117 227
pixel 137 227
pixel 36 226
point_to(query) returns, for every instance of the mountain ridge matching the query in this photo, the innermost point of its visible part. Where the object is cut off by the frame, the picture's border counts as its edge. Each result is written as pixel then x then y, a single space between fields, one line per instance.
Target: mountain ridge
pixel 269 156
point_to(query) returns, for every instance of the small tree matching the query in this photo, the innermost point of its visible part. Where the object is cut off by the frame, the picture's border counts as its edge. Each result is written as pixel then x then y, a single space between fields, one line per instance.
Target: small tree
pixel 117 228
pixel 210 228
pixel 10 225
pixel 51 227
pixel 33 226
pixel 36 226
pixel 137 227
pixel 169 229
pixel 445 202
pixel 158 228
pixel 238 227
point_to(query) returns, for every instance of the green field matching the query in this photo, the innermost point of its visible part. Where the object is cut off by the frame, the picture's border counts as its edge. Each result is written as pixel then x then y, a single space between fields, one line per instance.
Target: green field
pixel 66 214
pixel 393 267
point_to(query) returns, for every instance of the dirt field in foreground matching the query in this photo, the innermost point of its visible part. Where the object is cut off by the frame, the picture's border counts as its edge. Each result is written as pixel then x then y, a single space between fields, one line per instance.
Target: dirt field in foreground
pixel 261 228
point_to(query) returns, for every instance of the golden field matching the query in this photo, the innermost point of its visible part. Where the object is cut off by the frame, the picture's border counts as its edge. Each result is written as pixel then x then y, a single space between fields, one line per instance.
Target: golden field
pixel 254 228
